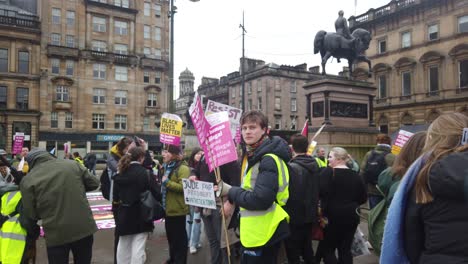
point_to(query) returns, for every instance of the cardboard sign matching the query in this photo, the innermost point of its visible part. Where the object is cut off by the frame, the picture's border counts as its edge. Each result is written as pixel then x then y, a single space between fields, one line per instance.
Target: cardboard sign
pixel 199 193
pixel 171 129
pixel 219 140
pixel 464 140
pixel 199 121
pixel 18 143
pixel 234 116
pixel 400 141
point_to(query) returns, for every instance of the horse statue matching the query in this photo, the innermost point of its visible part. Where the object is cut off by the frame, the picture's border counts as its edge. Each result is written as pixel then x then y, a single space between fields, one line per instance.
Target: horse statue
pixel 333 44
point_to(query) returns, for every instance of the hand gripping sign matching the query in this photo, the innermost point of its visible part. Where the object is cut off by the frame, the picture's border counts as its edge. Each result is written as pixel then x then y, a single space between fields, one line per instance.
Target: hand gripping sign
pixel 171 129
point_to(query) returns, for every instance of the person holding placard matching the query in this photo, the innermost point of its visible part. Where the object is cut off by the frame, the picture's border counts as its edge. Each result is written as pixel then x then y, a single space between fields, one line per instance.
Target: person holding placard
pixel 264 190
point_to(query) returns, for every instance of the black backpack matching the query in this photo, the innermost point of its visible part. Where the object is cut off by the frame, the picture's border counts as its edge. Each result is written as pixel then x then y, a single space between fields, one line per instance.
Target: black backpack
pixel 295 205
pixel 105 183
pixel 375 164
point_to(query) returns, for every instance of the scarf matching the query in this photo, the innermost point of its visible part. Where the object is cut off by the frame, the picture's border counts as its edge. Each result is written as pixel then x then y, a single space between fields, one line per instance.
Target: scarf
pixel 393 250
pixel 250 149
pixel 167 171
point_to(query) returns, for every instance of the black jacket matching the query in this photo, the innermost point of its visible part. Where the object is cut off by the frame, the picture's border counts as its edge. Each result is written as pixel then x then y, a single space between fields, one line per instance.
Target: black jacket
pixel 303 209
pixel 266 186
pixel 230 172
pixel 342 191
pixel 436 232
pixel 128 186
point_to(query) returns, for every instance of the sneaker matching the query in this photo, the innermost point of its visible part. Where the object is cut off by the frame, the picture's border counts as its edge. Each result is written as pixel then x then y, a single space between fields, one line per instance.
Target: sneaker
pixel 193 250
pixel 199 245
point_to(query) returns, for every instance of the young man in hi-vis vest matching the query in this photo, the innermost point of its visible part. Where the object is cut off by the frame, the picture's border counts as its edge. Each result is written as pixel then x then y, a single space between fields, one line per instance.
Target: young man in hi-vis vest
pixel 263 192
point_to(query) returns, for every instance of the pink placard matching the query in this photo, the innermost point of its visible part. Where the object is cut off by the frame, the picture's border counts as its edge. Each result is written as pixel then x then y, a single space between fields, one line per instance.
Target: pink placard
pixel 169 139
pixel 18 144
pixel 221 145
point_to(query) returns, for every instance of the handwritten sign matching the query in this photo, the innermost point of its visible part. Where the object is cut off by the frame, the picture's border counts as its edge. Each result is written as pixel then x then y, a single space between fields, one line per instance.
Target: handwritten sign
pixel 219 140
pixel 170 129
pixel 18 143
pixel 234 116
pixel 199 193
pixel 400 141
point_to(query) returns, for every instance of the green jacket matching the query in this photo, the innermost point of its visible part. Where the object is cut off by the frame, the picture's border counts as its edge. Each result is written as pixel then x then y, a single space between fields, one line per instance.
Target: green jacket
pixel 389 158
pixel 54 191
pixel 175 203
pixel 386 181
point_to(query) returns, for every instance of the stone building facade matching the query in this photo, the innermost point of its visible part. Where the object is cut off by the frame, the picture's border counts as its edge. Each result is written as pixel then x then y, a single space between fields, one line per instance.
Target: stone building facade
pixel 419 53
pixel 20 49
pixel 104 70
pixel 186 93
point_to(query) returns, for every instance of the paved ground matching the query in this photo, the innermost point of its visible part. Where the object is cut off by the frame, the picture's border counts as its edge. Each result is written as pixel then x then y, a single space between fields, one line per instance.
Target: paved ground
pixel 157 247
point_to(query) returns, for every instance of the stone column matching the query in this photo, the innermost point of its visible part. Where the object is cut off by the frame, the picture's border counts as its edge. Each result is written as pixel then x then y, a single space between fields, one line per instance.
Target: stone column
pixel 371 111
pixel 309 110
pixel 327 108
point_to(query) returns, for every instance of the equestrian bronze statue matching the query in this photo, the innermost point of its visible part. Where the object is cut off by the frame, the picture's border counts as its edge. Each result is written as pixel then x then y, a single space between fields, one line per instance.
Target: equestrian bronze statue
pixel 336 45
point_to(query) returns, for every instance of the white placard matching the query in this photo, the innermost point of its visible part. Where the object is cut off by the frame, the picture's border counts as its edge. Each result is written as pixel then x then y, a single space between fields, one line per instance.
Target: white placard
pixel 464 136
pixel 199 193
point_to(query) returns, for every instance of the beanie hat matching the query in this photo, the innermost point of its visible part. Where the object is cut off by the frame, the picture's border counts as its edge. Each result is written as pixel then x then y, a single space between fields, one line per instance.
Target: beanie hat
pixel 34 153
pixel 173 149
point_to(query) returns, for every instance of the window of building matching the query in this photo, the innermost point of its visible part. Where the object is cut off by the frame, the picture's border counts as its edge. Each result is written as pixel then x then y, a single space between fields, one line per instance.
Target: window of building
pixel 3 60
pixel 98 45
pixel 56 16
pixel 121 28
pixel 99 96
pixel 463 65
pixel 122 3
pixel 70 67
pixel 147 51
pixel 277 103
pixel 259 103
pixel 382 86
pixel 121 49
pixel 55 39
pixel 70 41
pixel 382 46
pixel 99 24
pixel 121 73
pixel 152 100
pixel 433 79
pixel 233 92
pixel 249 88
pixel 293 86
pixel 120 122
pixel 22 98
pixel 293 105
pixel 55 66
pixel 68 120
pixel 157 53
pixel 157 10
pixel 98 121
pixel 157 33
pixel 120 97
pixel 406 39
pixel 146 123
pixel 23 62
pixel 99 71
pixel 147 9
pixel 249 104
pixel 157 78
pixel 463 24
pixel 406 84
pixel 293 122
pixel 259 86
pixel 62 93
pixel 433 32
pixel 146 77
pixel 70 18
pixel 146 32
pixel 3 97
pixel 53 119
pixel 277 122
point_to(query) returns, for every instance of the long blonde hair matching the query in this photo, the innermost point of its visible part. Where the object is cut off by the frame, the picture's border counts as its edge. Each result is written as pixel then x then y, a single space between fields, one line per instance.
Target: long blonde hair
pixel 443 137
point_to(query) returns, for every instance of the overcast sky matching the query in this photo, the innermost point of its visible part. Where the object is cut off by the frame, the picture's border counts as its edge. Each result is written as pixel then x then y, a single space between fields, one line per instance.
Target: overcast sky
pixel 208 40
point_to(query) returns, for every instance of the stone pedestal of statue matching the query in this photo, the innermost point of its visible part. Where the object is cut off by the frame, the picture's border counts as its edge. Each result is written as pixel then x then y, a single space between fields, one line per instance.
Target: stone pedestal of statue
pixel 346 107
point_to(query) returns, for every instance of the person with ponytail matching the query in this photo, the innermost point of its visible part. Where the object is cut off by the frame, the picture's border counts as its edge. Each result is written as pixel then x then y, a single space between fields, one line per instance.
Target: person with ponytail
pixel 428 214
pixel 132 180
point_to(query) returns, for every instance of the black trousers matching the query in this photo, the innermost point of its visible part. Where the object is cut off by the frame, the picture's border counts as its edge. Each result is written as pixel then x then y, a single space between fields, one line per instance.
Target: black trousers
pixel 82 252
pixel 177 239
pixel 299 243
pixel 338 236
pixel 261 255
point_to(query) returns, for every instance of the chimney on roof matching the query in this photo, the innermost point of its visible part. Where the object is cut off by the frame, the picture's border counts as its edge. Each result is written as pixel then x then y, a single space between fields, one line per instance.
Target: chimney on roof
pixel 315 69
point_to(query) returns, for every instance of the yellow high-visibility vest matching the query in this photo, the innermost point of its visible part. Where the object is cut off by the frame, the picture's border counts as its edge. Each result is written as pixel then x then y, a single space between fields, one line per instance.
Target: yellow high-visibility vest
pixel 12 234
pixel 321 163
pixel 257 227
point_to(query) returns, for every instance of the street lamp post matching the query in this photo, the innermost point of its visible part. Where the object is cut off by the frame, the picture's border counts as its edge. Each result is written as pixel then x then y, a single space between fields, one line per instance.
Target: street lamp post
pixel 170 88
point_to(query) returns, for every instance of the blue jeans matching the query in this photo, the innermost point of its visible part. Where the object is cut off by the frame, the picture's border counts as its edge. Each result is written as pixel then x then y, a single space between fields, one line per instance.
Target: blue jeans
pixel 193 227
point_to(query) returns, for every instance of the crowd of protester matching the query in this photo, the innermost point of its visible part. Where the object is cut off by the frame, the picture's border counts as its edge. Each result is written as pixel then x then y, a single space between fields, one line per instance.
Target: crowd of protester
pixel 276 195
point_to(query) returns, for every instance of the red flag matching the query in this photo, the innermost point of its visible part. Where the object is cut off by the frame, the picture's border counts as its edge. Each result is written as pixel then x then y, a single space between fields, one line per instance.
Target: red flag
pixel 305 129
